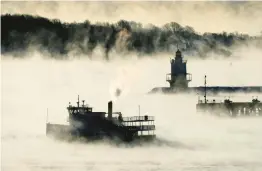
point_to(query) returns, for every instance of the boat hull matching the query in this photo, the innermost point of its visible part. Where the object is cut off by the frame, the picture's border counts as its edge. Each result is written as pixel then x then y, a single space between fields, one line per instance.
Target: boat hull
pixel 68 133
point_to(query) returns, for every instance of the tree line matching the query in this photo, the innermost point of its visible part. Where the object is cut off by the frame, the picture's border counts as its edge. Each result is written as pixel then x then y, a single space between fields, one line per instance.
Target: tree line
pixel 20 32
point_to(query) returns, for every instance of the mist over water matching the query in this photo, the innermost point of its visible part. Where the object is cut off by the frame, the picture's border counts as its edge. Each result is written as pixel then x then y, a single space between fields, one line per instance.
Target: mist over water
pixel 188 141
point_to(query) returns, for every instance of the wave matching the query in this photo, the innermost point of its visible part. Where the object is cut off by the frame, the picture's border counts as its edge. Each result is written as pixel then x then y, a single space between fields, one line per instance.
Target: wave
pixel 22 33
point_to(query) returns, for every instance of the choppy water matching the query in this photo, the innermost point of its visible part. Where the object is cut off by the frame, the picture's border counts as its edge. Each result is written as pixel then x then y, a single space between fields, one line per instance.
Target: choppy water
pixel 189 141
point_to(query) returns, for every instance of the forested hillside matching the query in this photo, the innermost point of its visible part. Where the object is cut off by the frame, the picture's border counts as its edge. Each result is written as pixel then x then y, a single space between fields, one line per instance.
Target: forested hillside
pixel 19 32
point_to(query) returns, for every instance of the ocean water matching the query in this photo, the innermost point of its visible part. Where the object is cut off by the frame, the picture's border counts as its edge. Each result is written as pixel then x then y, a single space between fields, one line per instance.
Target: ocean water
pixel 187 140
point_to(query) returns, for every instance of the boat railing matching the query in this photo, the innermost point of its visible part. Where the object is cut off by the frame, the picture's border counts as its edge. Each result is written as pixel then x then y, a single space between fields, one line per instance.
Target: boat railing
pixel 140 127
pixel 146 127
pixel 138 118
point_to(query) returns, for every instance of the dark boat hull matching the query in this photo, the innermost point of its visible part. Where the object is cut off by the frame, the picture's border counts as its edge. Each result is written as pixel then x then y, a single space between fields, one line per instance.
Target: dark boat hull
pixel 68 133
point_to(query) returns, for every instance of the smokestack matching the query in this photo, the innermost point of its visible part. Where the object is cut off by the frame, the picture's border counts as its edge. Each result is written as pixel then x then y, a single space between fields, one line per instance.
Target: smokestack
pixel 110 109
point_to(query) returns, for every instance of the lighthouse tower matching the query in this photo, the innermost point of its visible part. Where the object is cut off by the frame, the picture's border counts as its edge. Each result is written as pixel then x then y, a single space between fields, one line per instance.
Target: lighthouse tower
pixel 178 78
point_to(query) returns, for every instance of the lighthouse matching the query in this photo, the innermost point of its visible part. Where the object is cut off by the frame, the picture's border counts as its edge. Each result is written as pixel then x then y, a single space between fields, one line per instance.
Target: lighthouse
pixel 178 78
